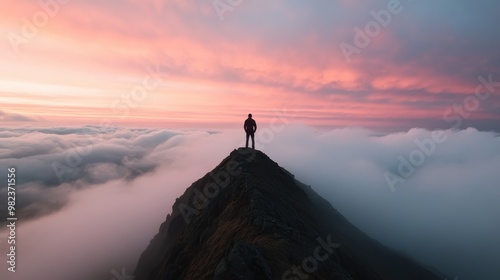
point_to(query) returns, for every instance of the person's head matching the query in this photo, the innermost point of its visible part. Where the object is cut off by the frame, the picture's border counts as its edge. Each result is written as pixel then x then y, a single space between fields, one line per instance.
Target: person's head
pixel 250 115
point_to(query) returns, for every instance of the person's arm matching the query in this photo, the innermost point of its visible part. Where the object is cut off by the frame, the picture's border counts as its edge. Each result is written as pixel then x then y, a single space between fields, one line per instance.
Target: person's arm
pixel 255 125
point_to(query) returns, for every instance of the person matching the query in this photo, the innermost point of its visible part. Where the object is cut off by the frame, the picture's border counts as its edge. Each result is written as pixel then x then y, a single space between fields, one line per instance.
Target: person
pixel 250 127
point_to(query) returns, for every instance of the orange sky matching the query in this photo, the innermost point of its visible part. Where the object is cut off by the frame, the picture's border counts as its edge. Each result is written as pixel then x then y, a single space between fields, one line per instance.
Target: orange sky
pixel 176 63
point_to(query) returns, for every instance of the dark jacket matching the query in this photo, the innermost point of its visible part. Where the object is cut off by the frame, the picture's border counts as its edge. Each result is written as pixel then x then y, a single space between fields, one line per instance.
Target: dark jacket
pixel 250 126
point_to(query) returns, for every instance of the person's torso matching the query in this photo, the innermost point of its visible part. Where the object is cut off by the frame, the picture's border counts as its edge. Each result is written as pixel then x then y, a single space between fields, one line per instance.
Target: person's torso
pixel 249 125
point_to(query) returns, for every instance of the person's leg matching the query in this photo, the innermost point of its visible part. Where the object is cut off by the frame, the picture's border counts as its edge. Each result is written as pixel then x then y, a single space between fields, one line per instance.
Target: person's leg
pixel 248 135
pixel 253 141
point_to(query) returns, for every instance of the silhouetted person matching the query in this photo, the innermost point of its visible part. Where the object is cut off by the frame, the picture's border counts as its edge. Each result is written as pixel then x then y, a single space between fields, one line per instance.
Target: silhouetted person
pixel 250 127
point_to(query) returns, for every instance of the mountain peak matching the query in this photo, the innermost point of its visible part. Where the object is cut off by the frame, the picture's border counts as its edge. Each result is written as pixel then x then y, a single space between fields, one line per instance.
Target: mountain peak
pixel 250 219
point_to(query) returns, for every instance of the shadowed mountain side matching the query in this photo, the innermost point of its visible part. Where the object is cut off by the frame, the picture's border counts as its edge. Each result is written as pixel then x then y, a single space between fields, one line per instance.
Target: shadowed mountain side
pixel 250 219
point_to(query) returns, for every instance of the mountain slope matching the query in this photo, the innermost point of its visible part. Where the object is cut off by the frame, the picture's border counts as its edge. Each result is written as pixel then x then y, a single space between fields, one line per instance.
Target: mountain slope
pixel 250 219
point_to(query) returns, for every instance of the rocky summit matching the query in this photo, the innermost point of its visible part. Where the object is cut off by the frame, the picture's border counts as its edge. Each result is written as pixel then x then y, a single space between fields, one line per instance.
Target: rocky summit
pixel 250 219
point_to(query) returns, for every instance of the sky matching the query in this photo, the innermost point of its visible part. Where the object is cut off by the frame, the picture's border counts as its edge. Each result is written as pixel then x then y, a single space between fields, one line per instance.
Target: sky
pixel 385 65
pixel 389 109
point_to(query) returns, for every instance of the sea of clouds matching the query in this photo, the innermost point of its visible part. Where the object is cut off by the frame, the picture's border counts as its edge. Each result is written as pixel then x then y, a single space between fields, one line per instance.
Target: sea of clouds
pixel 90 199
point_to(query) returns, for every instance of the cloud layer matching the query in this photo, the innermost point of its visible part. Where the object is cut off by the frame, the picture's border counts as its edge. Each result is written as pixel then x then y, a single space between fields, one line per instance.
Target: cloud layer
pixel 111 202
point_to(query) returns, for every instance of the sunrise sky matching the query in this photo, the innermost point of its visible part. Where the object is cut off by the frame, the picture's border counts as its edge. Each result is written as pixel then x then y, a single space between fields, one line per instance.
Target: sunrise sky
pixel 206 64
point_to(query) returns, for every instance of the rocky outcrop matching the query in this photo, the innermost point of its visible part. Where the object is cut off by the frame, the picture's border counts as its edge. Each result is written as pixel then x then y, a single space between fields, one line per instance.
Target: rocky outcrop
pixel 250 219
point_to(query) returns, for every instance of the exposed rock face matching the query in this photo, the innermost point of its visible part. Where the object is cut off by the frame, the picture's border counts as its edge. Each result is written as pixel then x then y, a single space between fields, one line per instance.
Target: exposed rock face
pixel 250 219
